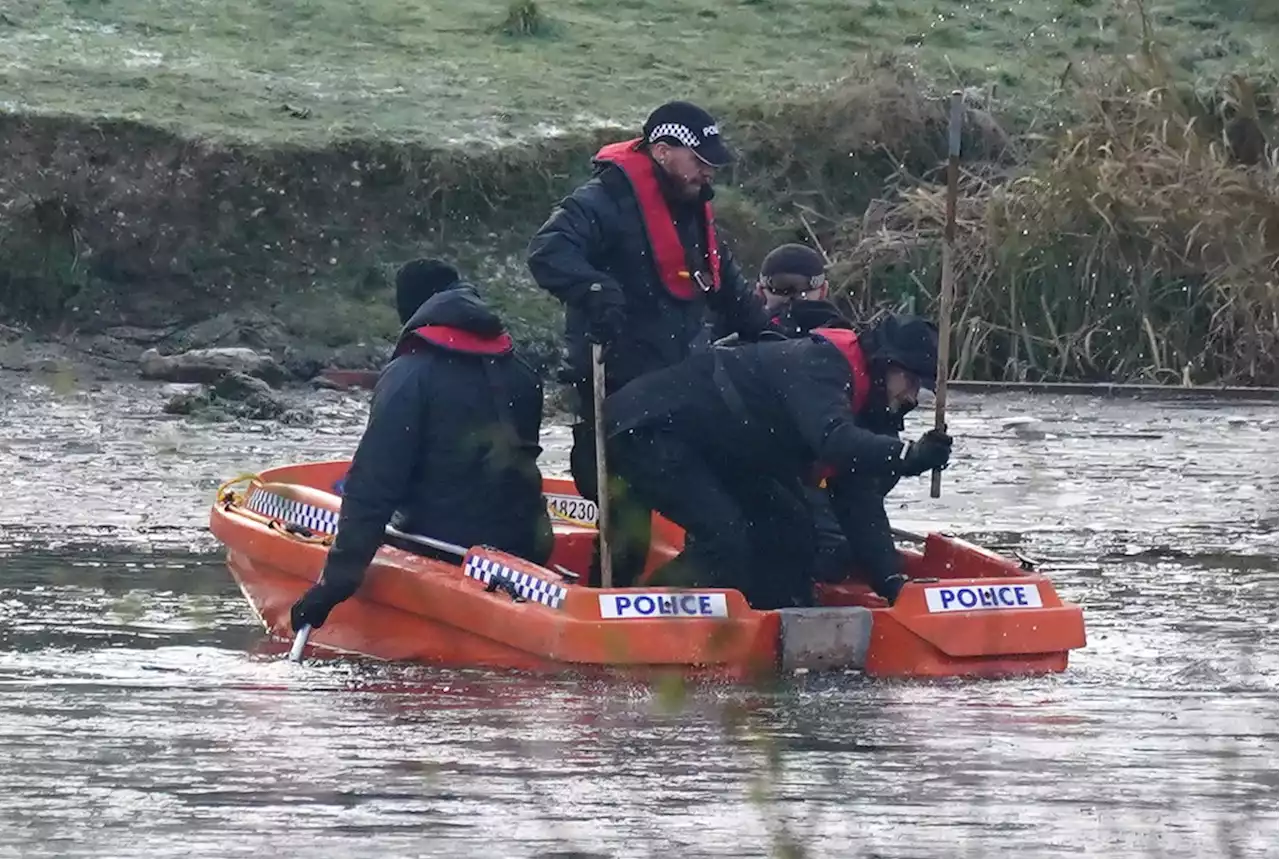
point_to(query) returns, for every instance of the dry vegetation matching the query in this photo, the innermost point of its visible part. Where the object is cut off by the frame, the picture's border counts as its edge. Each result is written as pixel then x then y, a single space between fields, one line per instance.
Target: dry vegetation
pixel 1139 243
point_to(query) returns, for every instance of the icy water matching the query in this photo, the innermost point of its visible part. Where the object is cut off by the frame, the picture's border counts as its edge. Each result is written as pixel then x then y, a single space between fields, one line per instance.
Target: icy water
pixel 142 714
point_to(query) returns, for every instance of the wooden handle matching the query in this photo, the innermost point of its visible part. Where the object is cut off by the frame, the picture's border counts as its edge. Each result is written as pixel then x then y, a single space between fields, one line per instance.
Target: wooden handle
pixel 948 286
pixel 602 470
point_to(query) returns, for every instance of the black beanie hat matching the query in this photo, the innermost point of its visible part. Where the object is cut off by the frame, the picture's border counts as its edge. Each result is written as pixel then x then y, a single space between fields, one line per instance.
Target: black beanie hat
pixel 909 341
pixel 794 259
pixel 418 280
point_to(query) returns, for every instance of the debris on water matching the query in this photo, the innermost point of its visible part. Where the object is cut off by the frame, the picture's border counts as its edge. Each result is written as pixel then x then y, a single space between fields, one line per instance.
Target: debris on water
pixel 238 396
pixel 1024 427
pixel 1200 672
pixel 208 366
pixel 1133 552
pixel 1128 436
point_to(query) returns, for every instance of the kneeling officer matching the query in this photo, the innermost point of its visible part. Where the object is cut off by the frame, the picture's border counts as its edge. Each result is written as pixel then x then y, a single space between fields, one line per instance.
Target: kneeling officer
pixel 450 449
pixel 722 443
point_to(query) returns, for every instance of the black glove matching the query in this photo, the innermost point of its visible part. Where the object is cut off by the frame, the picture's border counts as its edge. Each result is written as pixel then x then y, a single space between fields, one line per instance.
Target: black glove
pixel 891 587
pixel 931 451
pixel 606 313
pixel 312 608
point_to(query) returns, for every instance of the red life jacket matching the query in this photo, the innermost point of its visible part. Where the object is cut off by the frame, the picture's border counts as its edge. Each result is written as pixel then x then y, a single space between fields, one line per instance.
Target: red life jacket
pixel 847 342
pixel 659 227
pixel 454 340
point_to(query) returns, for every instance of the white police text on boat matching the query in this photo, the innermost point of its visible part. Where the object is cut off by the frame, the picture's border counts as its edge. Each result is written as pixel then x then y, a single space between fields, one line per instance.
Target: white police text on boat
pixel 982 597
pixel 659 605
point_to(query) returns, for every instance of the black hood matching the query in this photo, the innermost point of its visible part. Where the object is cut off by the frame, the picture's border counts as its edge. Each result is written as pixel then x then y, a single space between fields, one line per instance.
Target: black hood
pixel 458 307
pixel 418 280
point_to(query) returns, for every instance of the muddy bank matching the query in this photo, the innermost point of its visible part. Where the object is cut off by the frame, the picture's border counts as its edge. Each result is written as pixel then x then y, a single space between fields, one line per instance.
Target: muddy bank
pixel 227 369
pixel 119 236
pixel 122 352
pixel 232 367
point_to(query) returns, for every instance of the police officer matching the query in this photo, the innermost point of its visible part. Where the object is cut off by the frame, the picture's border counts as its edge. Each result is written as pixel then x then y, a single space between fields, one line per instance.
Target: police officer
pixel 722 443
pixel 635 256
pixel 451 445
pixel 793 287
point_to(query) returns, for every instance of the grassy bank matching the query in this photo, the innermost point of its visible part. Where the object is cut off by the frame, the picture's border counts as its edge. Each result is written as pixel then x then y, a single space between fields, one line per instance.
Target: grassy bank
pixel 1118 219
pixel 312 70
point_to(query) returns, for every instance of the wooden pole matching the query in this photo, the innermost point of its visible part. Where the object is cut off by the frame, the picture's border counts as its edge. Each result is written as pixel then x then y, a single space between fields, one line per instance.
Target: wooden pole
pixel 602 471
pixel 948 287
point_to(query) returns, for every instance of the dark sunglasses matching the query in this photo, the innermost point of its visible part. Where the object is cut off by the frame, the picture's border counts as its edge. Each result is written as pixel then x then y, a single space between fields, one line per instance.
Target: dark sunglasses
pixel 791 291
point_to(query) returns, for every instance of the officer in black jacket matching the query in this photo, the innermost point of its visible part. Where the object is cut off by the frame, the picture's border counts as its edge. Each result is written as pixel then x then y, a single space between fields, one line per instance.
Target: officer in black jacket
pixel 721 444
pixel 794 287
pixel 635 257
pixel 450 449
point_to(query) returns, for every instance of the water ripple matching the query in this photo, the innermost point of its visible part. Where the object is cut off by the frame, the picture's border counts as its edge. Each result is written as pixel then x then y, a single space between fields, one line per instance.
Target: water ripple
pixel 142 713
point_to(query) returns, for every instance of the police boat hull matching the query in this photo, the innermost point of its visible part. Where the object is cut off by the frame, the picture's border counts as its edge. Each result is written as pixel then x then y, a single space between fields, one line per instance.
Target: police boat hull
pixel 967 613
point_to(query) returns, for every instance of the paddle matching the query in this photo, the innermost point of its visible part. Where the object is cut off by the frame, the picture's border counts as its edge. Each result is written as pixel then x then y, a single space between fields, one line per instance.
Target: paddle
pixel 602 471
pixel 948 288
pixel 300 640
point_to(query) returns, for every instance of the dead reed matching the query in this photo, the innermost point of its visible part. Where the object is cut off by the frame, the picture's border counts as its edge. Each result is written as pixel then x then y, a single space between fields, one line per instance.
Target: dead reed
pixel 1139 244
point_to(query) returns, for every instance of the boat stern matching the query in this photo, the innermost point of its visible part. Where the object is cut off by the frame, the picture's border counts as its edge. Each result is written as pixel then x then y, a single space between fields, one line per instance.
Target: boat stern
pixel 975 628
pixel 824 638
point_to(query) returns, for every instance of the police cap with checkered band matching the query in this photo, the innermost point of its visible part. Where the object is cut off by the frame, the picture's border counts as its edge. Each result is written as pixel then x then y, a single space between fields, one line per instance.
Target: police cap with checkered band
pixel 680 123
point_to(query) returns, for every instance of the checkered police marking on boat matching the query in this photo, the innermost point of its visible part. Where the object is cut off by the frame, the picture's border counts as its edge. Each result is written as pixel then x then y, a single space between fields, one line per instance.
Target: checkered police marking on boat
pixel 527 585
pixel 273 506
pixel 659 605
pixel 984 598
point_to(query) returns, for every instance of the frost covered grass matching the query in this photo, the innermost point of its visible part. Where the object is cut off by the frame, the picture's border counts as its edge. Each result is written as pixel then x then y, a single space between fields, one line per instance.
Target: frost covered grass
pixel 311 70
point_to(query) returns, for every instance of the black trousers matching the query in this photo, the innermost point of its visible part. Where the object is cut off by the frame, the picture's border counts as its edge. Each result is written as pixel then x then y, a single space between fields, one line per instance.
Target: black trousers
pixel 745 531
pixel 834 561
pixel 630 521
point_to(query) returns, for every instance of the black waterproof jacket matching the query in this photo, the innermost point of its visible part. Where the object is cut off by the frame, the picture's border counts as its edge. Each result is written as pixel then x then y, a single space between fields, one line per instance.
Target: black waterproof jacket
pixel 779 409
pixel 796 319
pixel 451 446
pixel 775 407
pixel 597 234
pixel 861 498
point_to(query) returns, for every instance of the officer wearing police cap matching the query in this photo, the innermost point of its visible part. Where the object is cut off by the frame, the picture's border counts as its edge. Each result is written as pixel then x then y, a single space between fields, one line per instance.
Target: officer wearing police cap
pixel 635 256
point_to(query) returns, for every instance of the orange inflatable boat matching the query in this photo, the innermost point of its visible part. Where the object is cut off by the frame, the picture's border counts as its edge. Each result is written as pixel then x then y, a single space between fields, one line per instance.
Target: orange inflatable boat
pixel 967 612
